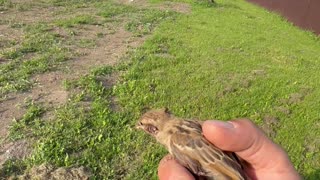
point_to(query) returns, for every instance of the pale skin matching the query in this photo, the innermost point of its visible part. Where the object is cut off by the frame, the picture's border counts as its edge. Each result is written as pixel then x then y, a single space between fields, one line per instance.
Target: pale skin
pixel 265 159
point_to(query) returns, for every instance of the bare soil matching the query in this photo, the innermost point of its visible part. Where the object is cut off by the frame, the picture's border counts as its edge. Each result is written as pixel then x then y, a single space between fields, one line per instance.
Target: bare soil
pixel 14 150
pixel 45 171
pixel 269 125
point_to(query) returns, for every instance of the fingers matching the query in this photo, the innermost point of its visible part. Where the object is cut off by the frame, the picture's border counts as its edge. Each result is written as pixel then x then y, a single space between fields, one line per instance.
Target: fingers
pixel 170 169
pixel 248 141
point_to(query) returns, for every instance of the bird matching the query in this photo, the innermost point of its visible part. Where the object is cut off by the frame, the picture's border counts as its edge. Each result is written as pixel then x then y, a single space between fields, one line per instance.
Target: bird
pixel 184 140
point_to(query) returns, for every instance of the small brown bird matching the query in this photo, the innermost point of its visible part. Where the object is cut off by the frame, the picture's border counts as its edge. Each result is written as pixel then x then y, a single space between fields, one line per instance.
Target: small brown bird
pixel 185 142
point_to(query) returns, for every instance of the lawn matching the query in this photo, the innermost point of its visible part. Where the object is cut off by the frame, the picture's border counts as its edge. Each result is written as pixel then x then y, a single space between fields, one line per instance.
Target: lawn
pixel 222 61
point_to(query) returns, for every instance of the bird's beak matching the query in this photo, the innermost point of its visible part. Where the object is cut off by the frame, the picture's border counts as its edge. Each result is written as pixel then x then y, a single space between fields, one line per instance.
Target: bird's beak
pixel 139 126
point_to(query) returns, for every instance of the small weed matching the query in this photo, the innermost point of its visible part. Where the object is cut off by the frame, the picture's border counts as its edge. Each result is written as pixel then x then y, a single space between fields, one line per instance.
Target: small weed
pixel 17 25
pixel 86 43
pixel 3 2
pixel 5 5
pixel 109 10
pixel 20 129
pixel 12 167
pixel 100 35
pixel 146 20
pixel 72 22
pixel 72 3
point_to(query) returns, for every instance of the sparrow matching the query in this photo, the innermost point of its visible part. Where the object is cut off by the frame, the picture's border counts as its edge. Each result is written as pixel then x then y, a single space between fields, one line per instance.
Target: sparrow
pixel 184 140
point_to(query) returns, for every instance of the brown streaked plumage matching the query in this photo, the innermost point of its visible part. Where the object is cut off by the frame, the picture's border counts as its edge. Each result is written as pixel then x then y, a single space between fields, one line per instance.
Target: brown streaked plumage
pixel 185 142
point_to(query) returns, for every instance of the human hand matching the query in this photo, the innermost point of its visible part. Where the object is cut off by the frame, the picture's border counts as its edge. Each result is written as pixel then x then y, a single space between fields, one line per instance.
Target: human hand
pixel 264 159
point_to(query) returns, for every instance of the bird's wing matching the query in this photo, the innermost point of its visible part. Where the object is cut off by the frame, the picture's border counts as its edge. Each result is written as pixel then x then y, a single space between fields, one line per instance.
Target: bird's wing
pixel 204 159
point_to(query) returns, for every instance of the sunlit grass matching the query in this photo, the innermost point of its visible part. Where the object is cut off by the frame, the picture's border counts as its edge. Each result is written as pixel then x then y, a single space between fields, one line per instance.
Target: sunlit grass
pixel 221 61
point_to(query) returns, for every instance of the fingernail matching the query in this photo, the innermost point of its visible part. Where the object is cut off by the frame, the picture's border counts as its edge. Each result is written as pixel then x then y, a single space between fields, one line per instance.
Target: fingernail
pixel 223 124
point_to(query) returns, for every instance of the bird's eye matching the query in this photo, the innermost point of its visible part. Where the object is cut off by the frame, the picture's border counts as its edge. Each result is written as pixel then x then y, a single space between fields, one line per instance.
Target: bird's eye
pixel 152 129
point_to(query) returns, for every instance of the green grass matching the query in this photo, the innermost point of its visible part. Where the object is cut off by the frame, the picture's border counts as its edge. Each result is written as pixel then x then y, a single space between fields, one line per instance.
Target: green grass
pixel 43 50
pixel 81 19
pixel 224 61
pixel 20 128
pixel 5 4
pixel 12 167
pixel 73 3
pixel 110 10
pixel 86 43
pixel 146 20
pixel 39 52
pixel 205 68
pixel 92 133
pixel 8 4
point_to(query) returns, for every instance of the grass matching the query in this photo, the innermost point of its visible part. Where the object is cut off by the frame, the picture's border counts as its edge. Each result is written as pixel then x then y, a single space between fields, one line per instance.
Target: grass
pixel 39 52
pixel 224 61
pixel 20 128
pixel 72 22
pixel 43 50
pixel 12 167
pixel 5 4
pixel 146 20
pixel 110 10
pixel 8 4
pixel 89 131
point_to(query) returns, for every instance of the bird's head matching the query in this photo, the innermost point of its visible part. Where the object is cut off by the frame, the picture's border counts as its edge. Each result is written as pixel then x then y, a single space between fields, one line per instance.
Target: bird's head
pixel 153 121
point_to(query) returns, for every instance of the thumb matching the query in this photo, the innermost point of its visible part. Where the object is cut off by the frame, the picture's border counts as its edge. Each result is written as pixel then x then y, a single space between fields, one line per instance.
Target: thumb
pixel 170 169
pixel 248 142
